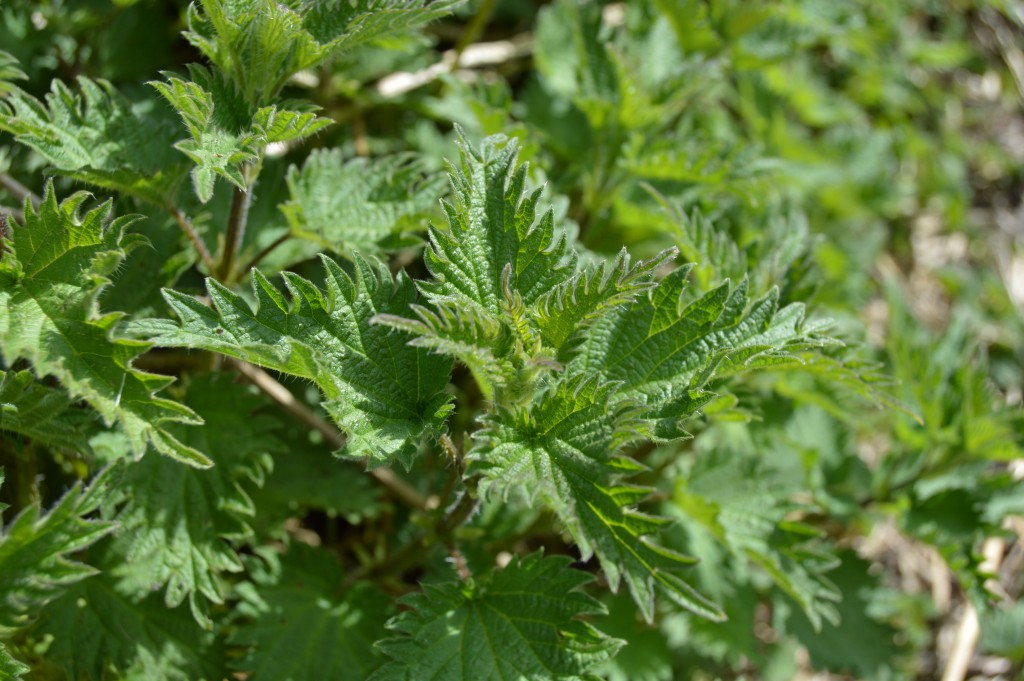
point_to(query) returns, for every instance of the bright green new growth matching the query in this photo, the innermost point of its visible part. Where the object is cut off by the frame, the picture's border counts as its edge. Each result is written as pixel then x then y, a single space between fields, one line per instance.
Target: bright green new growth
pixel 261 43
pixel 227 131
pixel 579 363
pixel 51 274
pixel 522 623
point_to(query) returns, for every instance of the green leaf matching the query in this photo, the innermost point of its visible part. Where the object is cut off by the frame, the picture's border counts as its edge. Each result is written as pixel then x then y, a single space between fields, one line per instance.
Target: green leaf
pixel 98 137
pixel 664 351
pixel 10 669
pixel 35 551
pixel 523 623
pixel 9 70
pixel 863 645
pixel 493 223
pixel 223 140
pixel 179 525
pixel 564 450
pixel 41 413
pixel 385 395
pixel 1000 632
pixel 745 506
pixel 307 477
pixel 262 43
pixel 100 632
pixel 358 205
pixel 297 625
pixel 489 267
pixel 575 62
pixel 591 292
pixel 51 275
pixel 284 125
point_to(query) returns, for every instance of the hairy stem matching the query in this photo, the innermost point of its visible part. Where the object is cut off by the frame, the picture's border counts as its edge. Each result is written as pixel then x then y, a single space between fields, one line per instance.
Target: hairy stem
pixel 284 397
pixel 193 236
pixel 237 219
pixel 18 190
pixel 256 259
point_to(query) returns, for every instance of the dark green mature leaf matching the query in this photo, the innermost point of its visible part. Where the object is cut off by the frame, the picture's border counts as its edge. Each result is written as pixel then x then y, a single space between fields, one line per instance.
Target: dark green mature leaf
pixel 263 43
pixel 307 477
pixel 385 395
pixel 51 275
pixel 98 137
pixel 97 630
pixel 745 507
pixel 178 524
pixel 10 669
pixel 41 413
pixel 298 625
pixel 35 551
pixel 521 624
pixel 358 204
pixel 859 642
pixel 565 450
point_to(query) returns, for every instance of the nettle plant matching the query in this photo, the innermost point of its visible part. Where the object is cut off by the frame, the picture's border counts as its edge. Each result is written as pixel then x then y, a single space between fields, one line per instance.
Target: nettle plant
pixel 532 377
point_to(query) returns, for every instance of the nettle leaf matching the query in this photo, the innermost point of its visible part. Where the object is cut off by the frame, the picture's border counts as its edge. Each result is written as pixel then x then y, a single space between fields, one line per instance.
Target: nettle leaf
pixel 98 137
pixel 40 413
pixel 745 507
pixel 51 275
pixel 489 267
pixel 35 550
pixel 9 70
pixel 358 204
pixel 493 223
pixel 10 669
pixel 591 292
pixel 523 623
pixel 179 524
pixel 99 632
pixel 663 352
pixel 285 125
pixel 296 605
pixel 564 449
pixel 383 393
pixel 220 125
pixel 263 43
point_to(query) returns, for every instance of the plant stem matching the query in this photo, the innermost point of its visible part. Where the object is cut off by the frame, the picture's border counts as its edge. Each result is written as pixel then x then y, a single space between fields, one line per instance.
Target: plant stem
pixel 18 190
pixel 475 28
pixel 193 236
pixel 420 546
pixel 284 397
pixel 237 219
pixel 264 253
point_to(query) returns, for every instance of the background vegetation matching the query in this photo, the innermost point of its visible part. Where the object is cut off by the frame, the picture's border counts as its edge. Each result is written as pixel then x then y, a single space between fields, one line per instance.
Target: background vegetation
pixel 865 158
